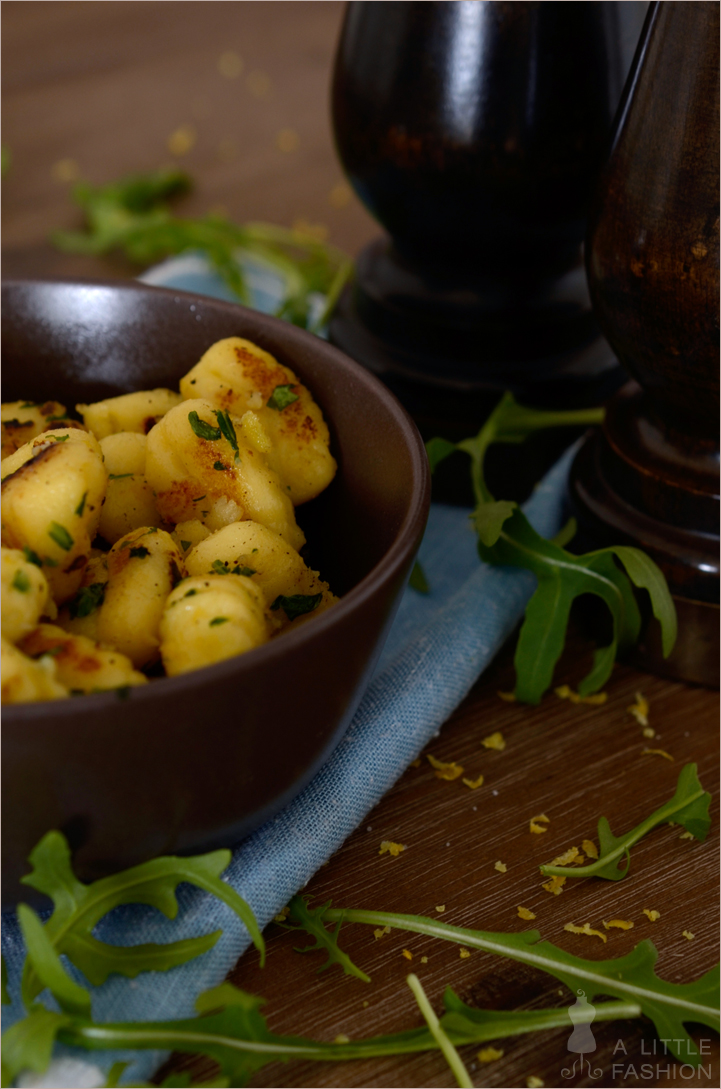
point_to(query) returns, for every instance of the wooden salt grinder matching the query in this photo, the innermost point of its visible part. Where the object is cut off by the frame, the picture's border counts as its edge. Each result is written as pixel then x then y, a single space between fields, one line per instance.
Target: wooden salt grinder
pixel 651 477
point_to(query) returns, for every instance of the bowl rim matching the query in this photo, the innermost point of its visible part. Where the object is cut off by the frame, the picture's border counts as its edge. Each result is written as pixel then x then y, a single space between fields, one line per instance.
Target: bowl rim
pixel 384 570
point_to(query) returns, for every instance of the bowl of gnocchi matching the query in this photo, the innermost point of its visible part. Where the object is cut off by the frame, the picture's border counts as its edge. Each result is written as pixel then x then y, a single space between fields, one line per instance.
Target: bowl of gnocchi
pixel 208 519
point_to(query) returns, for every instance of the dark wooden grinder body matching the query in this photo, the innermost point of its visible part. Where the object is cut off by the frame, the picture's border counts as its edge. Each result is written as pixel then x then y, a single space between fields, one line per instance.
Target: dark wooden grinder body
pixel 651 476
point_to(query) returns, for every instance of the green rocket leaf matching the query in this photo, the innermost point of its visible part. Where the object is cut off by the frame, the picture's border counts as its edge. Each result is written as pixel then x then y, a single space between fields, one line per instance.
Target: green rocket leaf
pixel 79 907
pixel 311 921
pixel 688 807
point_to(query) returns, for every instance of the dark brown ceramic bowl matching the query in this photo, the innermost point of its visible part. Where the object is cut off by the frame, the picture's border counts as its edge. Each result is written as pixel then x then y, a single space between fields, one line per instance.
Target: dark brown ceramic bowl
pixel 198 761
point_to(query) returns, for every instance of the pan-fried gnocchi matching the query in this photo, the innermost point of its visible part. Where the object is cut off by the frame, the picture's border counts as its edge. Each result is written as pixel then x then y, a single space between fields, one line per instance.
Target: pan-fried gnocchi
pixel 158 535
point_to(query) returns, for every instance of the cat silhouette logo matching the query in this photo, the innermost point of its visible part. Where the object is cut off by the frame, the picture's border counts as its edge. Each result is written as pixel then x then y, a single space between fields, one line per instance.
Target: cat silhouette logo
pixel 581 1040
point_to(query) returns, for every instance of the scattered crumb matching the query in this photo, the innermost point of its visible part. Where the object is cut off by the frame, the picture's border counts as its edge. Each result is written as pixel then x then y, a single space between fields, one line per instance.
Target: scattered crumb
pixel 585 929
pixel 473 784
pixel 688 934
pixel 381 931
pixel 444 770
pixel 687 835
pixel 340 195
pixel 282 915
pixel 424 960
pixel 65 170
pixel 657 752
pixel 571 855
pixel 536 823
pixel 407 954
pixel 416 763
pixel 494 793
pixel 258 84
pixel 621 924
pixel 525 913
pixel 501 867
pixel 507 697
pixel 590 848
pixel 489 1054
pixel 532 1082
pixel 230 65
pixel 182 140
pixel 287 140
pixel 341 1038
pixel 596 699
pixel 648 732
pixel 554 884
pixel 393 849
pixel 652 915
pixel 440 908
pixel 464 953
pixel 365 1003
pixel 494 741
pixel 639 709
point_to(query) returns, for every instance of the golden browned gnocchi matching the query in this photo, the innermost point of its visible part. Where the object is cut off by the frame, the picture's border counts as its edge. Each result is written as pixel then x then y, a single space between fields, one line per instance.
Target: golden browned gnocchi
pixel 200 465
pixel 129 412
pixel 238 376
pixel 160 534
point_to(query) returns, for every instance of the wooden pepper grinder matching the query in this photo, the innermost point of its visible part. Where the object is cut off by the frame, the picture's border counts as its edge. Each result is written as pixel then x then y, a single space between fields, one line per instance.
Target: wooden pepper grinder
pixel 651 477
pixel 475 133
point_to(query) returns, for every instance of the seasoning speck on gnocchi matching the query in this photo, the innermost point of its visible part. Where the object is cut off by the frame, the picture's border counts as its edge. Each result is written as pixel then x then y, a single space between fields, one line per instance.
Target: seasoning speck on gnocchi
pixel 157 534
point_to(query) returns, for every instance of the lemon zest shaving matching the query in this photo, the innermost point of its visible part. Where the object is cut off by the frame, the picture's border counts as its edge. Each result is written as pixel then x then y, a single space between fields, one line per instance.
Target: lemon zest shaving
pixel 407 954
pixel 494 741
pixel 554 884
pixel 536 822
pixel 639 709
pixel 501 867
pixel 393 849
pixel 381 931
pixel 590 848
pixel 473 784
pixel 585 929
pixel 657 752
pixel 490 1054
pixel 525 913
pixel 620 924
pixel 652 914
pixel 507 697
pixel 688 935
pixel 444 770
pixel 464 953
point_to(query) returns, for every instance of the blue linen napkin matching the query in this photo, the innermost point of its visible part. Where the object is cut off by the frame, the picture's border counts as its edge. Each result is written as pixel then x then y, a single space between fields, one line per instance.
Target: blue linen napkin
pixel 437 648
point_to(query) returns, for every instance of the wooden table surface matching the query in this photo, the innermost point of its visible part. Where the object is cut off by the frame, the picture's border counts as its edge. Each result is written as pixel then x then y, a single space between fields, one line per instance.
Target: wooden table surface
pixel 95 90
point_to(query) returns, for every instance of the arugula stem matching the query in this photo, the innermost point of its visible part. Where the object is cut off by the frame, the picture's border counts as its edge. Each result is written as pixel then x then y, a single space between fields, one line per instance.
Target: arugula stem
pixel 187 1036
pixel 449 1052
pixel 535 953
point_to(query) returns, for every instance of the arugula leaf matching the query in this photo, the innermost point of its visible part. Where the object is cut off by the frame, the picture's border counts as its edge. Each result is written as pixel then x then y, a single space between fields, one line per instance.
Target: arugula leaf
pixel 632 978
pixel 79 907
pixel 134 214
pixel 234 1033
pixel 311 920
pixel 297 604
pixel 28 1044
pixel 505 537
pixel 688 807
pixel 71 997
pixel 203 430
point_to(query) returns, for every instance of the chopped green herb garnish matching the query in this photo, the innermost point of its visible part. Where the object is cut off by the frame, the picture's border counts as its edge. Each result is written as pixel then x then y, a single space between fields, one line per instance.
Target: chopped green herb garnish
pixel 219 567
pixel 247 571
pixel 81 505
pixel 53 652
pixel 217 620
pixel 60 438
pixel 139 553
pixel 29 404
pixel 418 580
pixel 297 604
pixel 202 429
pixel 87 600
pixel 190 593
pixel 226 426
pixel 54 419
pixel 20 582
pixel 60 535
pixel 281 397
pixel 123 691
pixel 220 466
pixel 185 545
pixel 119 476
